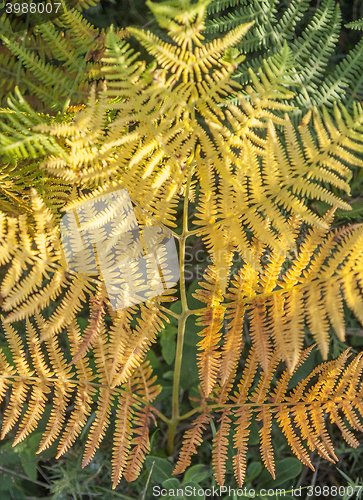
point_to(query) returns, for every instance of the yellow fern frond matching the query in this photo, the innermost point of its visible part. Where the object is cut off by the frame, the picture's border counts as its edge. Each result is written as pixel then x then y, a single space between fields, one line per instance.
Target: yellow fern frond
pixel 212 319
pixel 186 62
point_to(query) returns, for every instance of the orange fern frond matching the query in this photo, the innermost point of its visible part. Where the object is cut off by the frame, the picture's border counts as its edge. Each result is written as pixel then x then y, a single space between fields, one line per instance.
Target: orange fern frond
pixel 93 328
pixel 99 425
pixel 191 441
pixel 140 443
pixel 136 345
pixel 143 384
pixel 212 318
pixel 332 388
pixel 220 447
pixel 267 454
pixel 240 439
pixel 122 438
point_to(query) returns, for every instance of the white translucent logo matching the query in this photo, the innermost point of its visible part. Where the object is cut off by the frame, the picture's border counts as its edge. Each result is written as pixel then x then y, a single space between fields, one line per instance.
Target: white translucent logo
pixel 136 259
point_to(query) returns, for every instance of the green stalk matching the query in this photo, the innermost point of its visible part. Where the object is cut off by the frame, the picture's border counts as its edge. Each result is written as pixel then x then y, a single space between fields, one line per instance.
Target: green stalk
pixel 175 418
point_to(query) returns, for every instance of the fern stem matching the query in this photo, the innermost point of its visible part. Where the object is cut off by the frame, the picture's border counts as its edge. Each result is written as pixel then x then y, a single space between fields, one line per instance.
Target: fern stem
pixel 182 241
pixel 176 385
pixel 168 311
pixel 181 323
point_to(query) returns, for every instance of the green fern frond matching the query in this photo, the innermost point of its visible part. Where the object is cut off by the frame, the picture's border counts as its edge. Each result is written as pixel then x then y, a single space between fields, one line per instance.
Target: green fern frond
pixel 355 25
pixel 18 142
pixel 224 23
pixel 218 5
pixel 357 211
pixel 323 32
pixel 45 72
pixel 79 31
pixel 314 87
pixel 347 75
pixel 291 17
pixel 75 49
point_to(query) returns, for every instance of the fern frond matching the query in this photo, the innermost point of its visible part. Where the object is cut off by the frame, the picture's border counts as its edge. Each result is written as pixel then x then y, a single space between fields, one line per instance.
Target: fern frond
pixel 184 62
pixel 244 15
pixel 233 340
pixel 123 436
pixel 137 344
pixel 347 73
pixel 140 444
pixel 212 319
pixel 52 371
pixel 157 155
pixel 292 15
pixel 259 35
pixel 152 132
pixel 315 86
pixel 17 141
pixel 44 257
pixel 45 72
pixel 278 303
pixel 218 5
pixel 355 25
pixel 322 31
pixel 220 447
pixel 331 387
pixel 78 30
pixel 240 438
pixel 73 46
pixel 99 425
pixel 267 454
pixel 93 329
pixel 191 441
